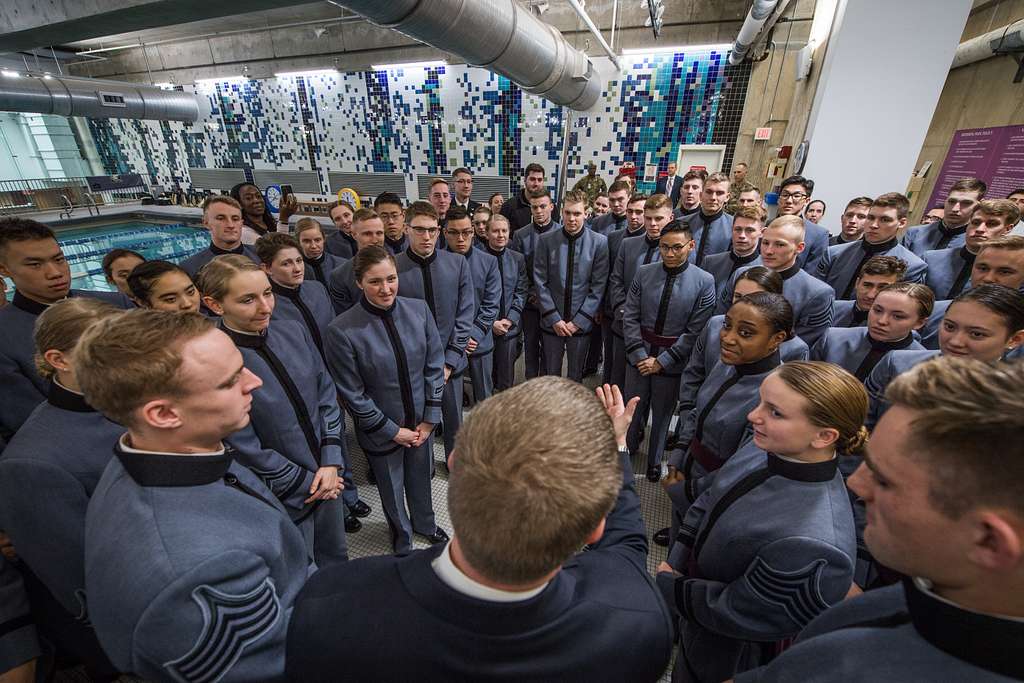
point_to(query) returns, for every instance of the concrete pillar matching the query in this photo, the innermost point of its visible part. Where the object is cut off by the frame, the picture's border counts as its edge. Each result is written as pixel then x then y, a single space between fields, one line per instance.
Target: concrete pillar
pixel 884 69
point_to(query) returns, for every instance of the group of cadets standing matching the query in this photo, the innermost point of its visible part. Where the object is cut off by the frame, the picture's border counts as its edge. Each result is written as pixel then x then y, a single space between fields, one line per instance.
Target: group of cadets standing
pixel 773 346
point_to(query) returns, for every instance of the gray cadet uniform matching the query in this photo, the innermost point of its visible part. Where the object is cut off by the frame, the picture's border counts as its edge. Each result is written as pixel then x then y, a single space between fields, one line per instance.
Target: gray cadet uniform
pixel 213 562
pixel 854 350
pixel 21 387
pixel 525 241
pixel 341 245
pixel 815 246
pixel 715 427
pixel 320 269
pixel 722 266
pixel 513 281
pixel 614 370
pixel 767 548
pixel 570 272
pixel 894 363
pixel 928 237
pixel 483 269
pixel 900 633
pixel 600 336
pixel 949 271
pixel 396 247
pixel 665 311
pixel 810 298
pixel 712 235
pixel 929 333
pixel 443 281
pixel 295 413
pixel 846 314
pixel 707 352
pixel 193 263
pixel 608 223
pixel 632 252
pixel 18 641
pixel 39 472
pixel 841 263
pixel 342 287
pixel 389 366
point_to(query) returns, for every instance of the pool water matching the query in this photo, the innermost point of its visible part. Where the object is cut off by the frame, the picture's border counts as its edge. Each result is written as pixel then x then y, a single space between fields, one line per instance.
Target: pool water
pixel 85 248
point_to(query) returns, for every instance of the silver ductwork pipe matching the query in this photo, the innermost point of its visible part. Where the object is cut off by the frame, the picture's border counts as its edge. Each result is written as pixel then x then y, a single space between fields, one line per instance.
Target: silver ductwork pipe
pixel 751 29
pixel 94 98
pixel 1009 37
pixel 499 35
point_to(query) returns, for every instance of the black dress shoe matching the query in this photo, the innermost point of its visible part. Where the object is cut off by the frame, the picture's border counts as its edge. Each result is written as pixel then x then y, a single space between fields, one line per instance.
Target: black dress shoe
pixel 352 524
pixel 360 509
pixel 654 473
pixel 661 537
pixel 438 536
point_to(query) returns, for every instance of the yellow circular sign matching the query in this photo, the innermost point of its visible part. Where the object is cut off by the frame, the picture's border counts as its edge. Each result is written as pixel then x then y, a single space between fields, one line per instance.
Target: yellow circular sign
pixel 347 194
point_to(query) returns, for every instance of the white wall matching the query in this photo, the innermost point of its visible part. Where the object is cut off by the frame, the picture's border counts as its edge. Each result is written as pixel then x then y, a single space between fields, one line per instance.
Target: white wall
pixel 19 158
pixel 884 70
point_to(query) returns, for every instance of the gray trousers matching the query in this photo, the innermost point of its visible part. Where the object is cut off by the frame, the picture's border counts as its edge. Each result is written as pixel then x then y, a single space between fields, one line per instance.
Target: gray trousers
pixel 658 396
pixel 324 533
pixel 607 339
pixel 556 348
pixel 451 412
pixel 534 358
pixel 350 494
pixel 505 351
pixel 406 472
pixel 618 361
pixel 481 369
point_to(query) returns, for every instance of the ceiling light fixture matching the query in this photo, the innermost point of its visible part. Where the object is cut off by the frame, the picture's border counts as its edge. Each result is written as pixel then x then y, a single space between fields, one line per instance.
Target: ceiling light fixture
pixel 311 72
pixel 221 79
pixel 657 49
pixel 409 65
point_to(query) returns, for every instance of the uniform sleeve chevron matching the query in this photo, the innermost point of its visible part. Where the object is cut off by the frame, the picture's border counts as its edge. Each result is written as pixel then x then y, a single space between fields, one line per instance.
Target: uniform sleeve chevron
pixel 635 287
pixel 796 592
pixel 231 623
pixel 708 299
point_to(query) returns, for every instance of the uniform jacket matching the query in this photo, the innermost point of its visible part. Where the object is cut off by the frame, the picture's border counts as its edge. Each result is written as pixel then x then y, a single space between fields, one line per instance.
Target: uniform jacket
pixel 192 567
pixel 341 244
pixel 723 265
pixel 320 269
pixel 517 211
pixel 513 280
pixel 894 363
pixel 768 547
pixel 483 269
pixel 574 629
pixel 949 271
pixel 525 242
pixel 396 247
pixel 443 281
pixel 815 246
pixel 342 287
pixel 21 387
pixel 615 240
pixel 810 298
pixel 922 238
pixel 309 305
pixel 853 349
pixel 570 273
pixel 665 311
pixel 848 315
pixel 930 332
pixel 631 253
pixel 901 633
pixel 389 367
pixel 608 223
pixel 711 234
pixel 194 263
pixel 40 472
pixel 841 263
pixel 18 640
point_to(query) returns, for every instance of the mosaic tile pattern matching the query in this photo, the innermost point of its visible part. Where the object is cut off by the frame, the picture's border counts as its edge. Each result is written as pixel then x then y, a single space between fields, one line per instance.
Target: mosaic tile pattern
pixel 433 120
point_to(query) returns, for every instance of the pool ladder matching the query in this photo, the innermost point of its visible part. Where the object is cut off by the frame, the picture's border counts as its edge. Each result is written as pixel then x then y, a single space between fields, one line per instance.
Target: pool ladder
pixel 69 208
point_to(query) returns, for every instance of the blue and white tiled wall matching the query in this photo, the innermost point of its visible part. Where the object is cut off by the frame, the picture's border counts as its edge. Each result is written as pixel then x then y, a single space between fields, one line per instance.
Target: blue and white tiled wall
pixel 433 120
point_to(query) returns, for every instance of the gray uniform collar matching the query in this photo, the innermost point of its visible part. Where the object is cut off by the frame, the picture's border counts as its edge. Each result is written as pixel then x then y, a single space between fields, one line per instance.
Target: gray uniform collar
pixel 160 469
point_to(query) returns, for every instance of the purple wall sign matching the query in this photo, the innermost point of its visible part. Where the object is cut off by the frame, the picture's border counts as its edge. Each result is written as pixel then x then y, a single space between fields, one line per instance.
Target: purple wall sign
pixel 996 155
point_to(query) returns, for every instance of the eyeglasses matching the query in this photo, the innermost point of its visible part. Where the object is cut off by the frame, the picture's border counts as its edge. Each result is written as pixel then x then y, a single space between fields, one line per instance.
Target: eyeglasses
pixel 465 234
pixel 792 195
pixel 390 216
pixel 672 248
pixel 432 232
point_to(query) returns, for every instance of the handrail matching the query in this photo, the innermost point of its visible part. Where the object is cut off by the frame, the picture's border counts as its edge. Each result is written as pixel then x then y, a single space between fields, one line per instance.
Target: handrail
pixel 69 208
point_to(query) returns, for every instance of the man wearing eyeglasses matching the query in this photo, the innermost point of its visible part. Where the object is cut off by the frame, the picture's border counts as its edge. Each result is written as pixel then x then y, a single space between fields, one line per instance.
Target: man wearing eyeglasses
pixel 392 213
pixel 462 180
pixel 443 280
pixel 793 197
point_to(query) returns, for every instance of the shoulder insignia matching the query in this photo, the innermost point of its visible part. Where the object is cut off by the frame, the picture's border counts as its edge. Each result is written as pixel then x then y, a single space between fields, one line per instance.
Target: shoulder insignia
pixel 230 624
pixel 796 592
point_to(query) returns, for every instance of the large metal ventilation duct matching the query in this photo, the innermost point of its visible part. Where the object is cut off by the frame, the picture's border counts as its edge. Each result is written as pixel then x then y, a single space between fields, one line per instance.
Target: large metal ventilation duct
pixel 94 98
pixel 500 35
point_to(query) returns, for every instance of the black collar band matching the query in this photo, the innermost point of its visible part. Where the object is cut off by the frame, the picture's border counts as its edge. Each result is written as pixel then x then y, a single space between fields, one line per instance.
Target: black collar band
pixel 395 244
pixel 571 237
pixel 690 212
pixel 545 227
pixel 677 270
pixel 495 254
pixel 240 249
pixel 743 260
pixel 889 346
pixel 951 232
pixel 158 469
pixel 877 248
pixel 985 641
pixel 28 305
pixel 708 218
pixel 966 255
pixel 790 272
pixel 419 260
pixel 803 471
pixel 651 244
pixel 634 233
pixel 242 339
pixel 65 399
pixel 287 292
pixel 376 310
pixel 859 316
pixel 769 362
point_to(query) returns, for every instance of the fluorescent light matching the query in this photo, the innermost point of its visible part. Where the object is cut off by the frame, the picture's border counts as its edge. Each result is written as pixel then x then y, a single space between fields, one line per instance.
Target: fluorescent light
pixel 48 76
pixel 164 86
pixel 657 49
pixel 312 72
pixel 10 74
pixel 221 79
pixel 409 65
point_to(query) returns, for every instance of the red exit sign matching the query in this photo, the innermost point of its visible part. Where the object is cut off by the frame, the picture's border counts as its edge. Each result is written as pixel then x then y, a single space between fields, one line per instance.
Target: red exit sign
pixel 763 134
